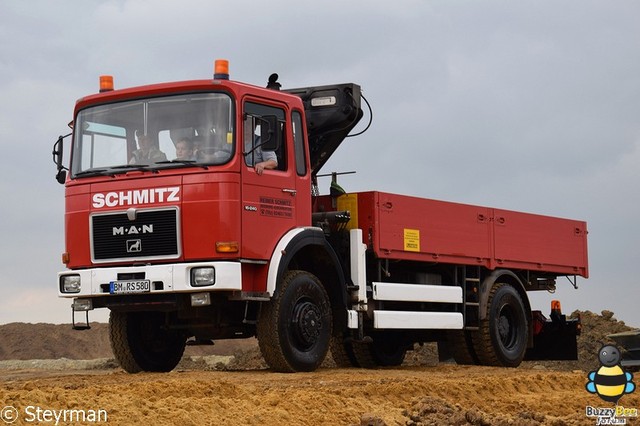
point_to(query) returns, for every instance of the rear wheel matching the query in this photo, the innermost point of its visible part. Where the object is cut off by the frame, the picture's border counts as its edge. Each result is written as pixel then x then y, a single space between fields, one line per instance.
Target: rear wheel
pixel 342 352
pixel 387 349
pixel 294 328
pixel 502 338
pixel 461 347
pixel 140 342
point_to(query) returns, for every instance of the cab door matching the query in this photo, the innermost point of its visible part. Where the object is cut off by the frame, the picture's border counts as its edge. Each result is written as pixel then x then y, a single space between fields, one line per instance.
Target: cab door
pixel 269 198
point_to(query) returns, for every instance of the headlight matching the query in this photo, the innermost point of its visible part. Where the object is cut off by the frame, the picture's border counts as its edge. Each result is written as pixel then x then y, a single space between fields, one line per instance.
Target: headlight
pixel 203 276
pixel 70 284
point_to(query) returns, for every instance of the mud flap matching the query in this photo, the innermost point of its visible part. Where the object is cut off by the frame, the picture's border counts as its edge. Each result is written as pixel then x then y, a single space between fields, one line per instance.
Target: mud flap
pixel 554 339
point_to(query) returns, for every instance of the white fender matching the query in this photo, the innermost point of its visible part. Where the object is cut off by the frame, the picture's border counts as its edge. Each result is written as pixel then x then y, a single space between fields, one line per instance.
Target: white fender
pixel 277 255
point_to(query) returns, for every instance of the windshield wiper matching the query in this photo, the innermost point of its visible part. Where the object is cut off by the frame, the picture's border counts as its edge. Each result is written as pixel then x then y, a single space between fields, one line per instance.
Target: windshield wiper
pixel 92 172
pixel 111 170
pixel 141 167
pixel 176 161
pixel 186 162
pixel 131 166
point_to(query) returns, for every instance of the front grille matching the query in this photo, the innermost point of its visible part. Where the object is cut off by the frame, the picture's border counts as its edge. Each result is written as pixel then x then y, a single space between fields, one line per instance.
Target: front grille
pixel 152 234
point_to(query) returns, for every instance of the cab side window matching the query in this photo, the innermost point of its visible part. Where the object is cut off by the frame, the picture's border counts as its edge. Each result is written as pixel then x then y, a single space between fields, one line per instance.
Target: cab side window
pixel 298 143
pixel 254 155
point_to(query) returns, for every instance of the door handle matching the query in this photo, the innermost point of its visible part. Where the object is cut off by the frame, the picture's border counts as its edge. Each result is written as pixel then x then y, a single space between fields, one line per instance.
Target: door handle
pixel 290 191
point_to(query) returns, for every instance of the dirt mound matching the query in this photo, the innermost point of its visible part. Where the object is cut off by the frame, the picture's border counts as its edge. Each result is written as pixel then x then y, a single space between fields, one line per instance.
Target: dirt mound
pixel 436 411
pixel 595 329
pixel 23 341
pixel 52 341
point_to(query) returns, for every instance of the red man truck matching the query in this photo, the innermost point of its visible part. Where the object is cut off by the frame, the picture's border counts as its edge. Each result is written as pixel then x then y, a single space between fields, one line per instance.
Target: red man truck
pixel 233 240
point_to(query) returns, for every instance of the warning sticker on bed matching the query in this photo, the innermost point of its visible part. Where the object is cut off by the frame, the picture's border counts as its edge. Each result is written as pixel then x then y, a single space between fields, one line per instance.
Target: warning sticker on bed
pixel 412 239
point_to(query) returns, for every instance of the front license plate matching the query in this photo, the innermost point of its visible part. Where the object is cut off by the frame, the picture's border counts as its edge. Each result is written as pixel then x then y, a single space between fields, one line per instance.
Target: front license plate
pixel 127 287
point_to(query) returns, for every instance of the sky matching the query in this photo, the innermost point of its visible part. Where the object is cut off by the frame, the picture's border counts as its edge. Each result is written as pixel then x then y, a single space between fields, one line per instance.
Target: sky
pixel 522 105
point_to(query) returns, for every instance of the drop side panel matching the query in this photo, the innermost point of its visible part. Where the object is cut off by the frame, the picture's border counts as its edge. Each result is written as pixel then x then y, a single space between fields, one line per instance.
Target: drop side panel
pixel 409 228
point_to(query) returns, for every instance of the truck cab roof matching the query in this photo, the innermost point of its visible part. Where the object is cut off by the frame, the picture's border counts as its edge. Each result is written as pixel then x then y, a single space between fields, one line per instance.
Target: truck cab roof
pixel 332 111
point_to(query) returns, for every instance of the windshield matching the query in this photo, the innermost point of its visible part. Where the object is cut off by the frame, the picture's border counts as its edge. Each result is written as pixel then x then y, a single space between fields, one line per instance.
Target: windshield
pixel 172 131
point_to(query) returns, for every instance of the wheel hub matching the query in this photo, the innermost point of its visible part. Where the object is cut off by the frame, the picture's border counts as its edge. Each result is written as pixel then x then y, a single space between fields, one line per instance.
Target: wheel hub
pixel 504 328
pixel 307 323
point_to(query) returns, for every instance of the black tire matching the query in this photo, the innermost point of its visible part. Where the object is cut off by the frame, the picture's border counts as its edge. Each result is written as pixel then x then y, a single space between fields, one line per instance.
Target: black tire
pixel 294 328
pixel 502 337
pixel 387 349
pixel 141 343
pixel 461 347
pixel 363 355
pixel 342 352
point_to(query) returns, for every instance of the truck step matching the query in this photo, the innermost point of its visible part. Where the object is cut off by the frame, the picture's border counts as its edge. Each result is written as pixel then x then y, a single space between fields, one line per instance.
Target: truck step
pixel 417 320
pixel 417 292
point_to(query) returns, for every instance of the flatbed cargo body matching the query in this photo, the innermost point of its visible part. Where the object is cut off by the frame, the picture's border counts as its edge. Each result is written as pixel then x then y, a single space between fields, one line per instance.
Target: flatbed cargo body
pixel 409 228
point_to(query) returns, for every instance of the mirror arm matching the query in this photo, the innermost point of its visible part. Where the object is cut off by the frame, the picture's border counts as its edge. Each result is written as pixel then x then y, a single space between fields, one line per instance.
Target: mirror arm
pixel 57 153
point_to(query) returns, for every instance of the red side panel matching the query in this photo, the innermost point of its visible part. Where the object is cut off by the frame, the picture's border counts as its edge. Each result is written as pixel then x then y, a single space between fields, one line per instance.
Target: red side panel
pixel 426 230
pixel 401 227
pixel 543 243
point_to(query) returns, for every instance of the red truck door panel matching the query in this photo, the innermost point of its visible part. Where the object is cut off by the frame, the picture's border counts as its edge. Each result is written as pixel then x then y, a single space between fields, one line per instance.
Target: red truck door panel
pixel 268 199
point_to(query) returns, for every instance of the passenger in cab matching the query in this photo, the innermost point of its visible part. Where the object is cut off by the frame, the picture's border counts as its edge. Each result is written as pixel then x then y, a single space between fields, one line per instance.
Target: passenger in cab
pixel 185 150
pixel 146 152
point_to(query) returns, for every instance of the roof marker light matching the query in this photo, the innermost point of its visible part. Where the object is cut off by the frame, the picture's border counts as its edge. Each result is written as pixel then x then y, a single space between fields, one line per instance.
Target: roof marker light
pixel 221 69
pixel 106 83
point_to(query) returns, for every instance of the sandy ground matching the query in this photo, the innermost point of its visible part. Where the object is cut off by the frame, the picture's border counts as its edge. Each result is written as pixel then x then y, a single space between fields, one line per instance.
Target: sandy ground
pixel 444 394
pixel 49 367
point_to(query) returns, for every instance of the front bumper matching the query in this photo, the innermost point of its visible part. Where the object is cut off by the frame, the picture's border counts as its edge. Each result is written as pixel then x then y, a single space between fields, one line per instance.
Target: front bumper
pixel 170 278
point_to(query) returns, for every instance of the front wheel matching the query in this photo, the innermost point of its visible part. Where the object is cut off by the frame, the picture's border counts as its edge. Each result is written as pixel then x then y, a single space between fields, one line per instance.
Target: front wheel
pixel 294 328
pixel 141 342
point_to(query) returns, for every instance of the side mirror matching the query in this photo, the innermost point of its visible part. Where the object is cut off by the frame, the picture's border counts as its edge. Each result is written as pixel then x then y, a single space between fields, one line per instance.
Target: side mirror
pixel 58 151
pixel 61 176
pixel 270 134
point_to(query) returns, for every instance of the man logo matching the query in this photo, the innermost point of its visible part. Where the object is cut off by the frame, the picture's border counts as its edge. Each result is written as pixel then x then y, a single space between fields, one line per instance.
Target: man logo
pixel 134 246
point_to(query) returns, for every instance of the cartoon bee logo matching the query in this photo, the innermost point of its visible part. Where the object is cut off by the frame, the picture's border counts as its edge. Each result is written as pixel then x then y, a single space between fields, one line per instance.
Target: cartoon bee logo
pixel 610 382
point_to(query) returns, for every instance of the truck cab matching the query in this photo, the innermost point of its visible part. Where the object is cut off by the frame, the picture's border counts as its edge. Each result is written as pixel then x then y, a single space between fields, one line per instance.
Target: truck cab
pixel 147 230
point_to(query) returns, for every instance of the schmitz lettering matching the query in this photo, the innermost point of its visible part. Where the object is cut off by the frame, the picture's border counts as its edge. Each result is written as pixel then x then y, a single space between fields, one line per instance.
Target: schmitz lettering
pixel 136 196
